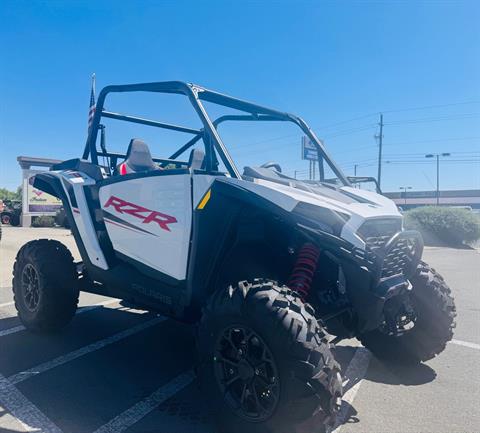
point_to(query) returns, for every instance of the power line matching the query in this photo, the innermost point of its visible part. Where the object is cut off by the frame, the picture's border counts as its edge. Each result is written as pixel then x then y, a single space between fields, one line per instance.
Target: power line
pixel 350 131
pixel 400 155
pixel 451 161
pixel 426 107
pixel 399 110
pixel 431 141
pixel 346 121
pixel 434 119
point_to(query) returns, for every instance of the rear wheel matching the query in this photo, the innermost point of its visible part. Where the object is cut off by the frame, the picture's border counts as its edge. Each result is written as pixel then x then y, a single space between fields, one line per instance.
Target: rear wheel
pixel 434 312
pixel 45 285
pixel 265 364
pixel 15 220
pixel 5 218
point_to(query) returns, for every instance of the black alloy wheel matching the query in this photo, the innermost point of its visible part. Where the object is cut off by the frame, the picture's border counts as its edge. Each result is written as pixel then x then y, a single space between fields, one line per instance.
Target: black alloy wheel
pixel 30 287
pixel 246 373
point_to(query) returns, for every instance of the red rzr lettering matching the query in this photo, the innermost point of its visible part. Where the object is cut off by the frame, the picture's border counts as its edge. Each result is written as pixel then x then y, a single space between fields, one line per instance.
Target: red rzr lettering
pixel 146 215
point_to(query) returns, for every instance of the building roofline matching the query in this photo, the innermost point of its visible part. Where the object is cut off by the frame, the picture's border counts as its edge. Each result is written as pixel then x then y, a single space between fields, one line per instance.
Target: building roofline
pixel 27 162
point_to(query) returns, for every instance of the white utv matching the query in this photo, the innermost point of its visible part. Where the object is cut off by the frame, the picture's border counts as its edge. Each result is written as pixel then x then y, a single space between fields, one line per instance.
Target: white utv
pixel 265 265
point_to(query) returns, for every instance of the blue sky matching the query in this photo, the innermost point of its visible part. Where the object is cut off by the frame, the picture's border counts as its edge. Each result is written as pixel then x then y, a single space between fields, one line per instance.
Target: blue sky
pixel 330 62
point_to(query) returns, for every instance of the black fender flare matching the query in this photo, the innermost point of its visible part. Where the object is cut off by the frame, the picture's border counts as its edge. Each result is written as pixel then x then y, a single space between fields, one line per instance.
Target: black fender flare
pixel 214 234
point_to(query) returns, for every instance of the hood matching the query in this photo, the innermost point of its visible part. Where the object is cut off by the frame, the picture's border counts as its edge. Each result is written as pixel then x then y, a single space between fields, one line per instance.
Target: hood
pixel 358 205
pixel 347 200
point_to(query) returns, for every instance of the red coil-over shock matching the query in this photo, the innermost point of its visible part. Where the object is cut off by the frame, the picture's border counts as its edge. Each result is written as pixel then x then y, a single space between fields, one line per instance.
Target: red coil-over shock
pixel 304 270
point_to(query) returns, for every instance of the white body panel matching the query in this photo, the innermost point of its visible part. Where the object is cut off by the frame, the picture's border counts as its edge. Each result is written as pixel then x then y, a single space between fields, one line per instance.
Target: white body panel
pixel 81 215
pixel 149 219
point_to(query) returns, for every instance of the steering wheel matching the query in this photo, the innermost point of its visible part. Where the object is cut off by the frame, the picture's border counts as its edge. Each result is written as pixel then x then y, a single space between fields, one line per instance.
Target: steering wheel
pixel 274 165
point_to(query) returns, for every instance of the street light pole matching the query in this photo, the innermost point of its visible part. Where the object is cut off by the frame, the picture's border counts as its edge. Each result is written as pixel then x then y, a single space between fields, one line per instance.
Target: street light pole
pixel 437 156
pixel 405 192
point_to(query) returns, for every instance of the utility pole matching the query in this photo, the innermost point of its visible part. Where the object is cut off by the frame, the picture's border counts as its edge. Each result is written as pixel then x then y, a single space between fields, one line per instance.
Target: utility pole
pixel 355 169
pixel 405 192
pixel 437 156
pixel 380 144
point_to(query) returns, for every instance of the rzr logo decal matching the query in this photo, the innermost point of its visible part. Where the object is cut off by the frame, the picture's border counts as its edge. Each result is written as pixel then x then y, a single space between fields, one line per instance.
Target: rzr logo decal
pixel 146 215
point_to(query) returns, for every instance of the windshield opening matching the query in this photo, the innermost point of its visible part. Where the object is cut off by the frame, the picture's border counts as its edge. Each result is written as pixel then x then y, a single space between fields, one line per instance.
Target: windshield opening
pixel 279 147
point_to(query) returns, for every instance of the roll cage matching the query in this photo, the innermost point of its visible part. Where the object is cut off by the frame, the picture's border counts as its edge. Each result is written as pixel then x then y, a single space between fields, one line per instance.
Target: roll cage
pixel 196 94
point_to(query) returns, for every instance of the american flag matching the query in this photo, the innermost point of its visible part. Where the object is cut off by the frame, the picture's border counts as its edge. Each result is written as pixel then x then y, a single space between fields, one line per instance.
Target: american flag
pixel 91 111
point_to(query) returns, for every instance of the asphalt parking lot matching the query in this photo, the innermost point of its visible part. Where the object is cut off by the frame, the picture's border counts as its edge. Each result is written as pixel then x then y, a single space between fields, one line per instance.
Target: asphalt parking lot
pixel 116 369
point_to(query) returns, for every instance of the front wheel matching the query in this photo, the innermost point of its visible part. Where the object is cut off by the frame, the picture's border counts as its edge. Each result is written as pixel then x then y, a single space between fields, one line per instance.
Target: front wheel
pixel 434 310
pixel 45 285
pixel 265 364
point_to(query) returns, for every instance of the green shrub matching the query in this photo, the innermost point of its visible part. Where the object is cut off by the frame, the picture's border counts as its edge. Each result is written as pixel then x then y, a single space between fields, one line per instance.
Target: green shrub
pixel 43 221
pixel 453 226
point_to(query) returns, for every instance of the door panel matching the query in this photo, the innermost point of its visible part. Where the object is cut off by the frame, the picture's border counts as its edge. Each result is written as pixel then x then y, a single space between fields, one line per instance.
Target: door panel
pixel 149 219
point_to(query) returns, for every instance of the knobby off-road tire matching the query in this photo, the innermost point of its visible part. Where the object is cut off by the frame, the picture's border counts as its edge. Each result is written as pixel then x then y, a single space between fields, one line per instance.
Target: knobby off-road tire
pixel 5 216
pixel 435 309
pixel 298 377
pixel 45 285
pixel 15 220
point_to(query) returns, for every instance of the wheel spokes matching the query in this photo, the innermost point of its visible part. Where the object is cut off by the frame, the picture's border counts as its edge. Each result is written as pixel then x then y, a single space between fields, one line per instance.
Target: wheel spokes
pixel 30 287
pixel 246 373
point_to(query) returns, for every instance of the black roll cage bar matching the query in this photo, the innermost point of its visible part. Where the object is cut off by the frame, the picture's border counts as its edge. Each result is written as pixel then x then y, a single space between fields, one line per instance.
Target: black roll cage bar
pixel 209 132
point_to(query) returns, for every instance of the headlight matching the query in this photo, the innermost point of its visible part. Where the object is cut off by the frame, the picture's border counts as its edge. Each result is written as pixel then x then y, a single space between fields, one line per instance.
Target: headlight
pixel 324 219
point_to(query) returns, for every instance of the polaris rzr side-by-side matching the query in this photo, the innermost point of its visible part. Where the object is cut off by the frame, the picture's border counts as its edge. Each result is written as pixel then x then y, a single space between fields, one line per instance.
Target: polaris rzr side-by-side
pixel 271 269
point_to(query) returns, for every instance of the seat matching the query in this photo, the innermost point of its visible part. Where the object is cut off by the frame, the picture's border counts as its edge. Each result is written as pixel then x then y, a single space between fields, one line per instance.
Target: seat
pixel 196 159
pixel 138 158
pixel 266 174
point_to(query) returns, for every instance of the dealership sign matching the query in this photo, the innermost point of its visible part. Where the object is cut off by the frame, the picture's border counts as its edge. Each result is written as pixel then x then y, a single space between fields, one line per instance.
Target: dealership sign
pixel 309 150
pixel 37 202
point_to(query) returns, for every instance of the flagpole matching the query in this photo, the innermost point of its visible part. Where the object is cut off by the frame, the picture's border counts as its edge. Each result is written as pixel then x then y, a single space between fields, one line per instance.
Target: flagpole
pixel 93 84
pixel 90 118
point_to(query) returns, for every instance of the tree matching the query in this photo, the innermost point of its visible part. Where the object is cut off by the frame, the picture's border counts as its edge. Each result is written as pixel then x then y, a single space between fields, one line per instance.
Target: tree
pixel 5 194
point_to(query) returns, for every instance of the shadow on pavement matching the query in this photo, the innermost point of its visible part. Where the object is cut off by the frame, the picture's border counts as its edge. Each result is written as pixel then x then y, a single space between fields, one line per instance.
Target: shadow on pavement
pixel 398 374
pixel 343 355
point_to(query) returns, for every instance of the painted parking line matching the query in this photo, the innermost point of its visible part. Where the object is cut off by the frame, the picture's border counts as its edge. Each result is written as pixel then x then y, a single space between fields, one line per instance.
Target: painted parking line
pixel 79 311
pixel 144 407
pixel 466 344
pixel 356 371
pixel 24 411
pixel 42 368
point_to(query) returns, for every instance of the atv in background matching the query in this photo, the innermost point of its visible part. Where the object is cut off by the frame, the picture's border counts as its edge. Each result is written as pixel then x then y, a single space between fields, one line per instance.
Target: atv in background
pixel 268 267
pixel 2 207
pixel 61 218
pixel 11 213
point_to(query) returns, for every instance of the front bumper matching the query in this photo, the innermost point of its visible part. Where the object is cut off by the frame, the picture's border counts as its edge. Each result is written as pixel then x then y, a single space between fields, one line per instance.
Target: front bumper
pixel 381 275
pixel 373 276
